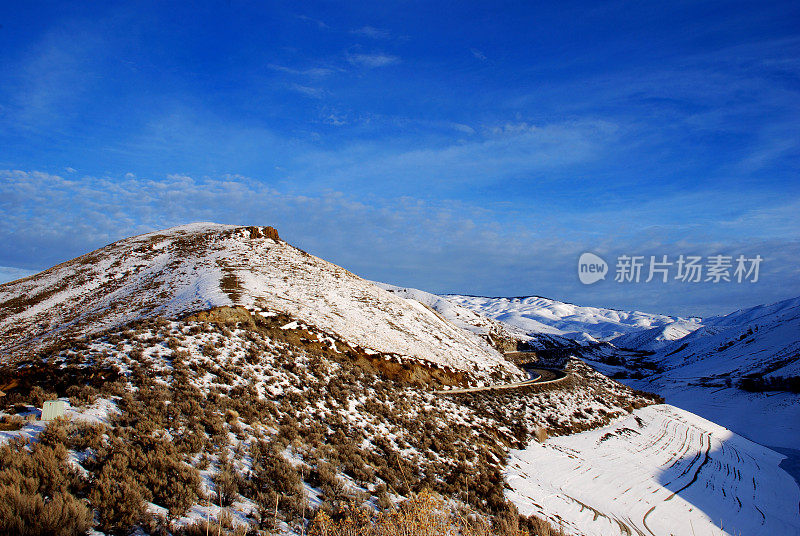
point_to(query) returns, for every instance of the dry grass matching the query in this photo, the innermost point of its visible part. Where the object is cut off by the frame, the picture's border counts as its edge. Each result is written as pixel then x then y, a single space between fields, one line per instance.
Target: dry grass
pixel 9 423
pixel 424 514
pixel 37 492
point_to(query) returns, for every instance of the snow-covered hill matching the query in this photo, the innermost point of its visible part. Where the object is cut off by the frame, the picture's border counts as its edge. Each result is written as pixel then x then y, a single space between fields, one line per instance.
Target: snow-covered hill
pixel 501 335
pixel 534 314
pixel 763 340
pixel 660 471
pixel 703 371
pixel 194 267
pixel 254 418
pixel 656 338
pixel 314 358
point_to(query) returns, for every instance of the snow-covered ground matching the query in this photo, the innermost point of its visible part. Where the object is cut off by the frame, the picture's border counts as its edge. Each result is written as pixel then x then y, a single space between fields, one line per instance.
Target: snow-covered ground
pixel 463 317
pixel 771 419
pixel 660 471
pixel 653 339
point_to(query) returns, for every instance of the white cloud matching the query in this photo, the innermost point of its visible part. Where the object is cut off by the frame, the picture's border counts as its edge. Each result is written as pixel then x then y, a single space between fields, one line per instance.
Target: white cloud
pixel 318 23
pixel 510 150
pixel 8 273
pixel 463 128
pixel 314 72
pixel 372 32
pixel 372 60
pixel 308 91
pixel 439 246
pixel 478 54
pixel 335 119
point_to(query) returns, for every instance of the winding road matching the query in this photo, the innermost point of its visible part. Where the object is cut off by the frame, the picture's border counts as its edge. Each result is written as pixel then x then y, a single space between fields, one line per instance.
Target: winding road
pixel 538 376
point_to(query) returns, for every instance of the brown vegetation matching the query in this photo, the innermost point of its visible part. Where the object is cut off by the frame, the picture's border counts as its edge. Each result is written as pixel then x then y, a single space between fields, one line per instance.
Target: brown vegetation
pixel 235 393
pixel 425 514
pixel 38 491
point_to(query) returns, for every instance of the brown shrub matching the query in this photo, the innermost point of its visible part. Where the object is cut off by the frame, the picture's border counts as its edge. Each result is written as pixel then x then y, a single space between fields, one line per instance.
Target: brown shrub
pixel 81 395
pixel 424 514
pixel 24 514
pixel 147 469
pixel 37 487
pixel 11 422
pixel 273 476
pixel 38 396
pixel 226 483
pixel 117 496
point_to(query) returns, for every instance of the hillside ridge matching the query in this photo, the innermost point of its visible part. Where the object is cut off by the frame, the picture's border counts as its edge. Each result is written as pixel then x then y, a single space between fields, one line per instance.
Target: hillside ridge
pixel 178 271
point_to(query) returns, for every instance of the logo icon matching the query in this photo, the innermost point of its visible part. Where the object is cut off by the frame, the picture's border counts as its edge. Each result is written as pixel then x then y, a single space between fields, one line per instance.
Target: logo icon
pixel 591 268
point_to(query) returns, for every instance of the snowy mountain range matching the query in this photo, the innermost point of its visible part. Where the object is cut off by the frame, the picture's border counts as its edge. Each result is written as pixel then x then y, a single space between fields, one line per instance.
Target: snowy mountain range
pixel 535 315
pixel 697 364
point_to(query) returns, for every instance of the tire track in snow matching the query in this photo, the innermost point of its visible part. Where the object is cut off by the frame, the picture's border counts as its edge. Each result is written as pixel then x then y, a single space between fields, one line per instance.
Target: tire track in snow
pixel 697 472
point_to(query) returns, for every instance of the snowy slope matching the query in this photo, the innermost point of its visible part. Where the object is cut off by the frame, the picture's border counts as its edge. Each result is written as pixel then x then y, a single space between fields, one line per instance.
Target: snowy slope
pixel 660 471
pixel 498 332
pixel 199 266
pixel 458 315
pixel 542 315
pixel 762 340
pixel 756 315
pixel 656 338
pixel 701 372
pixel 701 361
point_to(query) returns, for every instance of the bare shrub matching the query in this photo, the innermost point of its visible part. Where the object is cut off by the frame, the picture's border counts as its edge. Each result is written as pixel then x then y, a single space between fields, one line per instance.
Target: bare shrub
pixel 38 396
pixel 226 483
pixel 117 496
pixel 136 469
pixel 202 528
pixel 37 487
pixel 424 514
pixel 273 476
pixel 81 395
pixel 11 422
pixel 34 515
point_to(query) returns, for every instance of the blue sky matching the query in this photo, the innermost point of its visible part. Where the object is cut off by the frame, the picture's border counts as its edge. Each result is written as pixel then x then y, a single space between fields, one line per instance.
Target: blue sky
pixel 455 147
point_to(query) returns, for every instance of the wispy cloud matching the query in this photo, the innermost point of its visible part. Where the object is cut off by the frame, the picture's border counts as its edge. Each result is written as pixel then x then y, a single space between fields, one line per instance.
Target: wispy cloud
pixel 316 22
pixel 372 60
pixel 443 246
pixel 771 148
pixel 335 119
pixel 466 129
pixel 502 153
pixel 8 273
pixel 55 73
pixel 478 54
pixel 308 91
pixel 317 72
pixel 372 32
